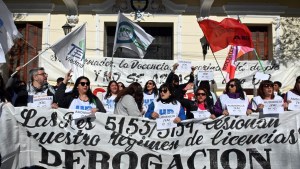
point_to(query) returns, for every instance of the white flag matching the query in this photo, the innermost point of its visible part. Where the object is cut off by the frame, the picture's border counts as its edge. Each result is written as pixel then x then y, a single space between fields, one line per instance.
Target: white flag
pixel 70 50
pixel 8 31
pixel 131 36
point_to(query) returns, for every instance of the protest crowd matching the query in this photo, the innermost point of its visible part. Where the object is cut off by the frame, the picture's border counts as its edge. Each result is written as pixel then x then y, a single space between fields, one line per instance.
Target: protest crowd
pixel 148 101
pixel 170 121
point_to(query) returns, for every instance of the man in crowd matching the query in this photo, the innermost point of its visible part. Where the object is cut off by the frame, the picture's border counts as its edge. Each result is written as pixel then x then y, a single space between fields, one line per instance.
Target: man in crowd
pixel 37 93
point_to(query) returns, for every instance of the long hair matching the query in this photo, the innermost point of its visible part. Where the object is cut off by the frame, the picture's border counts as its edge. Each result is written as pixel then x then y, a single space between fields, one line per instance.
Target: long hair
pixel 136 91
pixel 239 88
pixel 205 84
pixel 295 89
pixel 122 84
pixel 154 90
pixel 260 91
pixel 89 93
pixel 171 99
pixel 108 93
pixel 208 103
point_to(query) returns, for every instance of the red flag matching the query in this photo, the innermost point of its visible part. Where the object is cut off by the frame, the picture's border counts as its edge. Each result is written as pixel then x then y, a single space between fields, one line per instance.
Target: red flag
pixel 227 32
pixel 243 50
pixel 229 64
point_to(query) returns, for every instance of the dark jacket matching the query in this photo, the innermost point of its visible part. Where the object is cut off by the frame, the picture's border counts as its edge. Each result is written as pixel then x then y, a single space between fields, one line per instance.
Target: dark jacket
pixel 20 92
pixel 178 90
pixel 64 100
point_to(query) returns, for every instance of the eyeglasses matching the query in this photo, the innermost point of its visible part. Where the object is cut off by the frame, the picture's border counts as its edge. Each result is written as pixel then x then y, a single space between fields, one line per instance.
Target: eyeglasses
pixel 163 91
pixel 200 94
pixel 43 74
pixel 268 85
pixel 85 83
pixel 149 83
pixel 232 85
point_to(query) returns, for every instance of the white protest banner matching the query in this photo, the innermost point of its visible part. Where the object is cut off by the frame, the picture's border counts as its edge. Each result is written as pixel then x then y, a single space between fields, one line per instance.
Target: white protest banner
pixel 205 75
pixel 261 76
pixel 50 139
pixel 236 109
pixel 80 114
pixel 201 114
pixel 273 107
pixel 184 66
pixel 166 122
pixel 295 103
pixel 40 101
pixel 141 70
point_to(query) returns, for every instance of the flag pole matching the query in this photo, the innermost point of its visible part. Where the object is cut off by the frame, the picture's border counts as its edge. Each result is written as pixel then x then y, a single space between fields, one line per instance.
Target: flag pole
pixel 219 66
pixel 259 60
pixel 30 60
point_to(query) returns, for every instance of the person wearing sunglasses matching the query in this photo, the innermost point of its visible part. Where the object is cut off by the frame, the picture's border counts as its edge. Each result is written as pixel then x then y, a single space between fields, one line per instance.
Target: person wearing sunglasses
pixel 81 96
pixel 166 100
pixel 233 94
pixel 293 95
pixel 150 93
pixel 129 102
pixel 36 93
pixel 203 101
pixel 265 92
pixel 110 96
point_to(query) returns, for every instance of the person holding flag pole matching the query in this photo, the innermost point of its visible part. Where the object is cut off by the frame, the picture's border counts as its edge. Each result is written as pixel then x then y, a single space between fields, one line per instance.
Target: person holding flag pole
pixel 70 50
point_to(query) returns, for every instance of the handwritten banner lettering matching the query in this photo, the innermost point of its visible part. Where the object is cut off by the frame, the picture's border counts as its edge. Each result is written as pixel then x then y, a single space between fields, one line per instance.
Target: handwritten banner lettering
pixel 51 139
pixel 130 70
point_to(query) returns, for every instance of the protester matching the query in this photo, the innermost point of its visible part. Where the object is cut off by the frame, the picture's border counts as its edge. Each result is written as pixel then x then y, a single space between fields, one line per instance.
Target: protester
pixel 179 90
pixel 38 92
pixel 110 96
pixel 81 96
pixel 293 95
pixel 233 94
pixel 173 80
pixel 265 92
pixel 203 101
pixel 166 100
pixel 129 101
pixel 121 86
pixel 150 93
pixel 205 84
pixel 4 94
pixel 58 82
pixel 277 86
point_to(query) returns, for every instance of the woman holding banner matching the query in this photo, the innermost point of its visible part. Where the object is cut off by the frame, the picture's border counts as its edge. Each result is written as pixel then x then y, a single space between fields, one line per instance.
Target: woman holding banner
pixel 233 102
pixel 110 96
pixel 292 97
pixel 166 106
pixel 266 102
pixel 203 103
pixel 129 102
pixel 81 96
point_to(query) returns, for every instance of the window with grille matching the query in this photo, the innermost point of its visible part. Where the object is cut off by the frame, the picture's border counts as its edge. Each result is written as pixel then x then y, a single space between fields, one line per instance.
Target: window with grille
pixel 262 40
